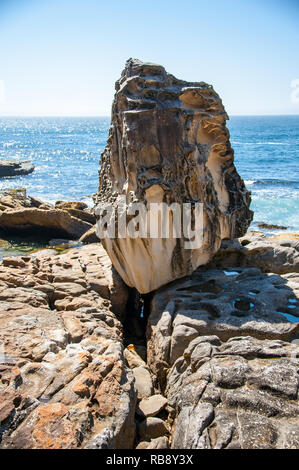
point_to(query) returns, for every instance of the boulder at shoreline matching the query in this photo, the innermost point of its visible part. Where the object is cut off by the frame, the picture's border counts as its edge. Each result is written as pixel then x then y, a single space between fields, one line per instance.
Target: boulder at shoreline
pixel 20 213
pixel 168 142
pixel 15 168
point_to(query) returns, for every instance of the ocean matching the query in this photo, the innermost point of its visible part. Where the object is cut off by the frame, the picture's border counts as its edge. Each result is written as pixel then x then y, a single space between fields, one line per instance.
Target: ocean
pixel 66 153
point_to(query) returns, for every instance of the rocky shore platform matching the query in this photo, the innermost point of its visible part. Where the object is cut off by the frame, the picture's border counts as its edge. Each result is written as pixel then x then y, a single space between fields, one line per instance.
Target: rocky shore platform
pixel 181 347
pixel 208 361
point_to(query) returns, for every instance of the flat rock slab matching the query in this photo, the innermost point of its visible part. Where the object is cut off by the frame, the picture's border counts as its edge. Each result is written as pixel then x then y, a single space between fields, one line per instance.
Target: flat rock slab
pixel 158 443
pixel 277 254
pixel 20 213
pixel 223 302
pixel 63 378
pixel 227 355
pixel 15 168
pixel 151 406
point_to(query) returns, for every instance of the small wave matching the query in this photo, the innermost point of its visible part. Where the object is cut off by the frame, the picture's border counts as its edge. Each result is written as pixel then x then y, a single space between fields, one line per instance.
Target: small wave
pixel 272 182
pixel 264 143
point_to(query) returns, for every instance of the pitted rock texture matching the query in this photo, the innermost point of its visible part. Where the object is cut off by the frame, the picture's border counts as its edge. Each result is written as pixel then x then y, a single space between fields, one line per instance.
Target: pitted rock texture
pixel 227 358
pixel 63 378
pixel 168 142
pixel 277 254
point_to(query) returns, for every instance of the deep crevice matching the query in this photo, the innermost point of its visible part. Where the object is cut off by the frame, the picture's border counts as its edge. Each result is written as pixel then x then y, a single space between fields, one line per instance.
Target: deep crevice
pixel 136 316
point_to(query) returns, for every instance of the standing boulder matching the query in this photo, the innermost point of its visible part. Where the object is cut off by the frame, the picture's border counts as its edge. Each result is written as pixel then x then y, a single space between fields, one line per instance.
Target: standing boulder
pixel 168 143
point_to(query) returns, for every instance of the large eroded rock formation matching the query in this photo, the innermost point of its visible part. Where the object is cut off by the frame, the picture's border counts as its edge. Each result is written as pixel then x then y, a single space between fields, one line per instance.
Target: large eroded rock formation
pixel 168 142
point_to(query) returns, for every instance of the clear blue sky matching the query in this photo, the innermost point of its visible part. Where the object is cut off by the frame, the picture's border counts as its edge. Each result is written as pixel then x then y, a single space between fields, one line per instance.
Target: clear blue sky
pixel 62 57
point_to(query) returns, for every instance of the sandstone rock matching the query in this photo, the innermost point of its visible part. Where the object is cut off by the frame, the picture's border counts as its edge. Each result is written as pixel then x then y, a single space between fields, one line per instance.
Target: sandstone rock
pixel 54 221
pixel 230 381
pixel 63 377
pixel 276 254
pixel 152 428
pixel 225 303
pixel 18 199
pixel 133 359
pixel 89 237
pixel 76 209
pixel 71 205
pixel 168 143
pixel 142 445
pixel 272 226
pixel 143 382
pixel 21 213
pixel 151 406
pixel 158 443
pixel 103 440
pixel 15 168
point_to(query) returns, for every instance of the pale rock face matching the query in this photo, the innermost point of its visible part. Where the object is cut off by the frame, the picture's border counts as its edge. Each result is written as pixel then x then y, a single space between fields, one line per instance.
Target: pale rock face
pixel 168 142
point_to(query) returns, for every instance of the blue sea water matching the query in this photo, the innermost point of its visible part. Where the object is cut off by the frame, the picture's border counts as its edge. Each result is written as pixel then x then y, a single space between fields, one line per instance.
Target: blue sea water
pixel 267 158
pixel 66 152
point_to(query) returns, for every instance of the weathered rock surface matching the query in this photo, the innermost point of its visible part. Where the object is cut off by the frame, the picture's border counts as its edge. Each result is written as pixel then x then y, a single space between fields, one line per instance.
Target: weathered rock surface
pixel 143 382
pixel 277 254
pixel 89 237
pixel 63 378
pixel 20 213
pixel 227 358
pixel 168 142
pixel 15 168
pixel 152 428
pixel 151 406
pixel 158 443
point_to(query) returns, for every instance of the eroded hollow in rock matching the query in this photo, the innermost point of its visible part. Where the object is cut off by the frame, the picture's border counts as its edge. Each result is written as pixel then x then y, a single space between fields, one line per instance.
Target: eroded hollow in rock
pixel 168 143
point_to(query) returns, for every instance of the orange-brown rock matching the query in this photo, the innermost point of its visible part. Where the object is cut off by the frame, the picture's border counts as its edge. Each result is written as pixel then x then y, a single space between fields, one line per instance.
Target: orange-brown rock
pixel 21 213
pixel 63 377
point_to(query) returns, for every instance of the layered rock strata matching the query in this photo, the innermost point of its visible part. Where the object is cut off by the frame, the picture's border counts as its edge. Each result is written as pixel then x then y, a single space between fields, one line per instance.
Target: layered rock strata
pixel 168 142
pixel 23 214
pixel 277 254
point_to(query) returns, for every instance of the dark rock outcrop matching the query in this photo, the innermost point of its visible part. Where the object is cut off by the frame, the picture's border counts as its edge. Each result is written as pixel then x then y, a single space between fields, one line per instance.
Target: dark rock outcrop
pixel 168 142
pixel 15 168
